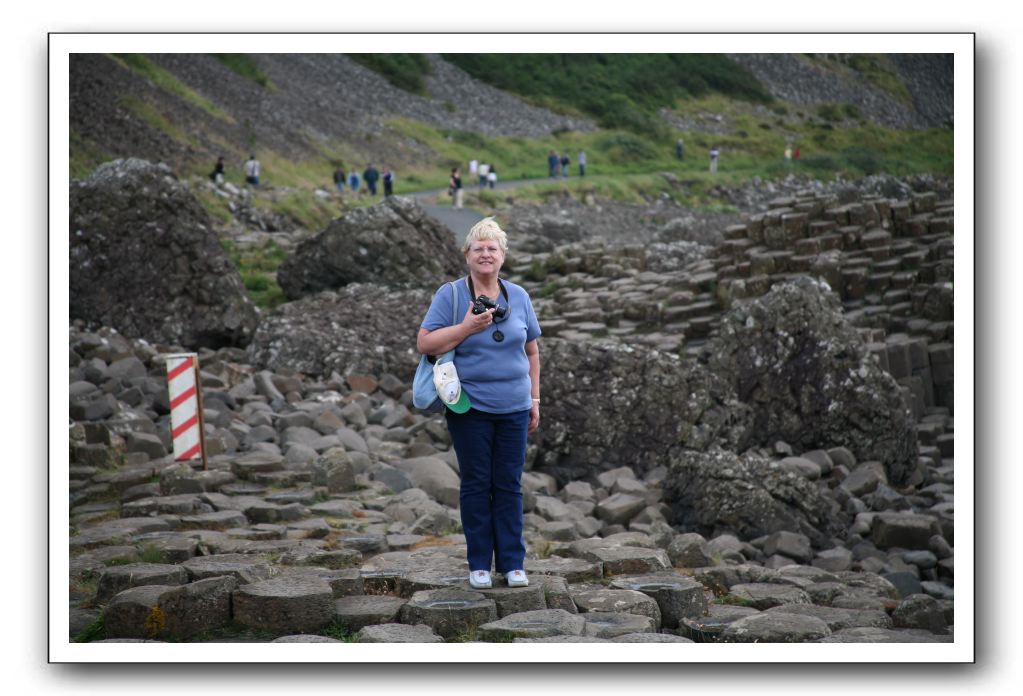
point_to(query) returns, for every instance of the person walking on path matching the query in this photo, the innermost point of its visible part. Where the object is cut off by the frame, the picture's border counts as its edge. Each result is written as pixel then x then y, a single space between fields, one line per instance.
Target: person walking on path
pixel 788 154
pixel 492 176
pixel 797 153
pixel 371 175
pixel 455 189
pixel 339 179
pixel 252 171
pixel 552 164
pixel 564 165
pixel 217 175
pixel 484 170
pixel 494 379
pixel 474 168
pixel 714 159
pixel 354 181
pixel 388 183
pixel 680 149
pixel 582 163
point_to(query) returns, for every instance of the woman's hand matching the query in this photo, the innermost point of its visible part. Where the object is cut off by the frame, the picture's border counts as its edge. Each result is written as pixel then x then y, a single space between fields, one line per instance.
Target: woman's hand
pixel 534 417
pixel 474 323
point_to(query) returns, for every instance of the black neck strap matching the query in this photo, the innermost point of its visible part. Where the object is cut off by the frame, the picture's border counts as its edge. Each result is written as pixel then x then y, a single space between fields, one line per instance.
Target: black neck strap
pixel 472 289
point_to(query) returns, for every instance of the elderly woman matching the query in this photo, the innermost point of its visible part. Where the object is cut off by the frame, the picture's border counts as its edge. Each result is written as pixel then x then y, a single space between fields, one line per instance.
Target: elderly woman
pixel 498 365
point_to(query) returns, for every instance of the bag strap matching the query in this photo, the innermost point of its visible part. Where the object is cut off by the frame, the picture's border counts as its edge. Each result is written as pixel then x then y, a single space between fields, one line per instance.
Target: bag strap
pixel 454 304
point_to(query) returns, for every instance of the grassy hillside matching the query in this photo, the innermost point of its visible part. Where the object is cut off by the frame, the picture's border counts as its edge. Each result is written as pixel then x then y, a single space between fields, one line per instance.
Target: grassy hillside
pixel 619 90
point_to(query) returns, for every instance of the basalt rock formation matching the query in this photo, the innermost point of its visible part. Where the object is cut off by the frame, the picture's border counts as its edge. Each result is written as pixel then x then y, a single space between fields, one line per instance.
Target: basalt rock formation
pixel 144 259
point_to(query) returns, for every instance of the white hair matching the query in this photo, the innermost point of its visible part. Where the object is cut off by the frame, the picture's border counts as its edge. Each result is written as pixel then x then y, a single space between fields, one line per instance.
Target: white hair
pixel 487 228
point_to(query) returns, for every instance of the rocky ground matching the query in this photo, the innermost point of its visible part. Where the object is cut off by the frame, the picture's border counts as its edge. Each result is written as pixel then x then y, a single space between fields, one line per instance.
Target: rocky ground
pixel 329 512
pixel 746 437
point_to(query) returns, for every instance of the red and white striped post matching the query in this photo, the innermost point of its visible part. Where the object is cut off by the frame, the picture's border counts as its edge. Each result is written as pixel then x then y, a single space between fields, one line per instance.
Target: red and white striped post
pixel 187 429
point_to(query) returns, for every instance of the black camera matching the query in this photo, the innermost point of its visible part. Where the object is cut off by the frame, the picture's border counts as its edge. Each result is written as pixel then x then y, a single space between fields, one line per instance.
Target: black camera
pixel 483 303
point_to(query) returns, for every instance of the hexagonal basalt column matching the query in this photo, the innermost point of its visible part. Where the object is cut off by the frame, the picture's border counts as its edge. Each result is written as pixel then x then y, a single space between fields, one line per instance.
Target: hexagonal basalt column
pixel 762 595
pixel 515 600
pixel 397 633
pixel 572 569
pixel 533 624
pixel 449 611
pixel 606 625
pixel 677 596
pixel 284 605
pixel 617 601
pixel 367 610
pixel 707 629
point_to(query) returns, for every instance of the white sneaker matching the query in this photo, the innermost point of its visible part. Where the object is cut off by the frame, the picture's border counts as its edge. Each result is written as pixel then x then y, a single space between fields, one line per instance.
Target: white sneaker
pixel 480 579
pixel 517 578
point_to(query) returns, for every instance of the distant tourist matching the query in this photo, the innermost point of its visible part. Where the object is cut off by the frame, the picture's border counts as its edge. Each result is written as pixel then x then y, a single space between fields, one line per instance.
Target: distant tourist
pixel 474 168
pixel 788 154
pixel 339 179
pixel 564 166
pixel 492 176
pixel 217 175
pixel 252 171
pixel 797 153
pixel 455 188
pixel 582 163
pixel 552 163
pixel 680 149
pixel 714 159
pixel 388 183
pixel 484 171
pixel 354 181
pixel 370 176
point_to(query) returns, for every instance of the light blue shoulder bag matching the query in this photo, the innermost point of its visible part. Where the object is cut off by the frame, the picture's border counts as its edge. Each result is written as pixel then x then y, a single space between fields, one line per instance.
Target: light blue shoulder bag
pixel 424 393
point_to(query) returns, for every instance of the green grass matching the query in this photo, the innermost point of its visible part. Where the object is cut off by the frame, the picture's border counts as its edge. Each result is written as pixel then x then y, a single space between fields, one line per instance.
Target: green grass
pixel 95 631
pixel 405 71
pixel 258 270
pixel 339 631
pixel 155 118
pixel 244 65
pixel 733 600
pixel 167 81
pixel 309 211
pixel 621 91
pixel 85 156
pixel 614 156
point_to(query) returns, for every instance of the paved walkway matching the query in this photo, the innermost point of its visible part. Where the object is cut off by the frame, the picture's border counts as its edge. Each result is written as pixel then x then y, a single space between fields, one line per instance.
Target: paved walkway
pixel 461 221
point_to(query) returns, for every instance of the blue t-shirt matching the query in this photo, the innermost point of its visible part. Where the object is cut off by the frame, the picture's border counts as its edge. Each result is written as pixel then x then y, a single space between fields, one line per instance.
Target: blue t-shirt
pixel 494 374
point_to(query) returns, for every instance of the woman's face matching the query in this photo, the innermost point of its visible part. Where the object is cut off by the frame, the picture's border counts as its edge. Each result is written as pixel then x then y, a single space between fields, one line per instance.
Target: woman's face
pixel 485 257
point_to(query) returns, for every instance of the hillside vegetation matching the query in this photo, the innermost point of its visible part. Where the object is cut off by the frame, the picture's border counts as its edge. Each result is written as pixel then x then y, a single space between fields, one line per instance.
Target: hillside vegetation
pixel 620 90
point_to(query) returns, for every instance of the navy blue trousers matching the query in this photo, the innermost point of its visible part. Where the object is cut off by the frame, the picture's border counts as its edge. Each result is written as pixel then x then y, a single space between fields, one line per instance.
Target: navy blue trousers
pixel 491 450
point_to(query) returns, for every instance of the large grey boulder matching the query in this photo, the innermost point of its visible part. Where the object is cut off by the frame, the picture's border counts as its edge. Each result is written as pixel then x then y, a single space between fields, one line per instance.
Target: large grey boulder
pixel 605 406
pixel 391 243
pixel 145 260
pixel 718 491
pixel 810 379
pixel 359 329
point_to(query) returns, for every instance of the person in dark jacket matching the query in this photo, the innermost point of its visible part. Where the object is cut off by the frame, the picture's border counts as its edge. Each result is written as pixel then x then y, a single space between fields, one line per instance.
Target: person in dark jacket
pixel 217 175
pixel 371 176
pixel 455 188
pixel 388 183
